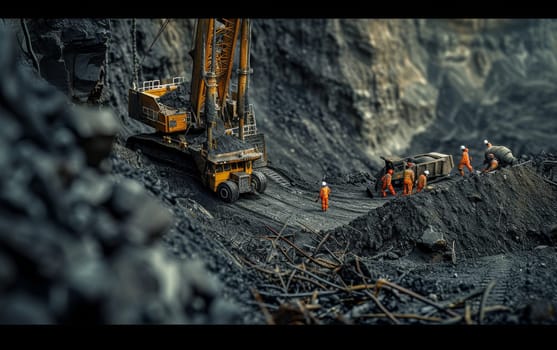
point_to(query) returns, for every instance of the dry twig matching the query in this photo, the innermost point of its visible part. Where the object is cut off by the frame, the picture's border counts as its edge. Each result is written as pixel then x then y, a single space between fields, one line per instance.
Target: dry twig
pixel 484 300
pixel 268 318
pixel 382 282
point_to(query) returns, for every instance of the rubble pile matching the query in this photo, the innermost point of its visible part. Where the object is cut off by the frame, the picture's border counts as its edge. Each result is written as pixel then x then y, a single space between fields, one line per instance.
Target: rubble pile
pixel 78 245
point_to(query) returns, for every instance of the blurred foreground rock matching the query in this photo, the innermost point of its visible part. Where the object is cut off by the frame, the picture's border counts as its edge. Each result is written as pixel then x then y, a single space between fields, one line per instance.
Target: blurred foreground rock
pixel 74 245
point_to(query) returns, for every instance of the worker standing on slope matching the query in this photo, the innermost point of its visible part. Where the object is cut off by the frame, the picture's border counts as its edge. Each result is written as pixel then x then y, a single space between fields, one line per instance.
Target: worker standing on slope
pixel 324 195
pixel 422 181
pixel 487 144
pixel 386 184
pixel 408 179
pixel 493 163
pixel 464 161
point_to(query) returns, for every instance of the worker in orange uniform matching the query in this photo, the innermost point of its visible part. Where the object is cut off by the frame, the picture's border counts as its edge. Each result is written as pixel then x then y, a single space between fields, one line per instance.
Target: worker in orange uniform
pixel 422 181
pixel 324 195
pixel 487 144
pixel 493 163
pixel 408 180
pixel 386 184
pixel 464 161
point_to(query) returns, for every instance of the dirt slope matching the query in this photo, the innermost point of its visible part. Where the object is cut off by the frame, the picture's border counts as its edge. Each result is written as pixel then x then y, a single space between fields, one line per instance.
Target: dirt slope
pixel 513 209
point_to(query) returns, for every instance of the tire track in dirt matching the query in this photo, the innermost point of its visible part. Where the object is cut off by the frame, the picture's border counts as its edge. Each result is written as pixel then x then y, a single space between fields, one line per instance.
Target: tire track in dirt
pixel 498 269
pixel 283 196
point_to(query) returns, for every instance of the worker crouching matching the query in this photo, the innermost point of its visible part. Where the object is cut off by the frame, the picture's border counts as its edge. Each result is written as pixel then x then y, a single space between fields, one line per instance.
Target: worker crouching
pixel 386 184
pixel 492 165
pixel 324 195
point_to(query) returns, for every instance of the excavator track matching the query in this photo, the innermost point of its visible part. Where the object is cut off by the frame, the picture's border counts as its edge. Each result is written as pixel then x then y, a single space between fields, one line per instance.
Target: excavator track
pixel 153 147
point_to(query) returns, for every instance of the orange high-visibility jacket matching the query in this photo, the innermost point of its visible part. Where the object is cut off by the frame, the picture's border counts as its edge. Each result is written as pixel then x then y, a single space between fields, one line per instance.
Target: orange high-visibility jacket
pixel 324 193
pixel 465 158
pixel 386 179
pixel 422 181
pixel 409 175
pixel 493 165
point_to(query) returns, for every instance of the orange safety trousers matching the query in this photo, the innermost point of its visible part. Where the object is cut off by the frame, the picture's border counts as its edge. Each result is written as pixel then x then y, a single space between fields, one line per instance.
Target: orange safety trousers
pixel 387 185
pixel 324 194
pixel 421 183
pixel 407 186
pixel 464 162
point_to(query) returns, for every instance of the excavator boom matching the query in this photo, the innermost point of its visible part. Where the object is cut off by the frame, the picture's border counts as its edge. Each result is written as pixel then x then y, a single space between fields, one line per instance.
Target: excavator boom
pixel 226 31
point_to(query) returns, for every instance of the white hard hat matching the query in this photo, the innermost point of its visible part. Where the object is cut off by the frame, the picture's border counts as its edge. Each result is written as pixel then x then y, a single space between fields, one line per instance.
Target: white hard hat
pixel 426 172
pixel 323 183
pixel 462 147
pixel 486 142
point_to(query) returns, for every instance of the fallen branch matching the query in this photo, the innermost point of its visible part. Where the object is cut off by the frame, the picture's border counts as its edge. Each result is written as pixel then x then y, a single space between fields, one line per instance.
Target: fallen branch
pixel 408 316
pixel 268 306
pixel 307 313
pixel 285 254
pixel 467 314
pixel 461 300
pixel 487 309
pixel 301 251
pixel 484 300
pixel 401 277
pixel 234 258
pixel 277 269
pixel 317 277
pixel 380 305
pixel 283 227
pixel 320 244
pixel 299 295
pixel 359 287
pixel 382 253
pixel 268 318
pixel 334 256
pixel 382 282
pixel 309 280
pixel 308 228
pixel 258 268
pixel 272 252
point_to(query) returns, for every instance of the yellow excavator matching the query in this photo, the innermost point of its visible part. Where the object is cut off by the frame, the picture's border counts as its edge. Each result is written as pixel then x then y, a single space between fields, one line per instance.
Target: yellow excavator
pixel 213 123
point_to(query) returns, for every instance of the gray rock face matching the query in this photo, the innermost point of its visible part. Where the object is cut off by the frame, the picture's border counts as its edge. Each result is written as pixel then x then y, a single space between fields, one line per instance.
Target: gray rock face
pixel 388 86
pixel 402 86
pixel 72 54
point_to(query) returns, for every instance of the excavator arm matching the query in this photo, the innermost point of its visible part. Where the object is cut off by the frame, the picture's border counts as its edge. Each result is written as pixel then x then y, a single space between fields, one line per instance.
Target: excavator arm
pixel 225 32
